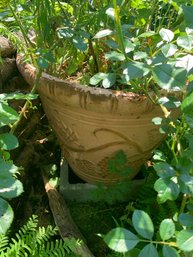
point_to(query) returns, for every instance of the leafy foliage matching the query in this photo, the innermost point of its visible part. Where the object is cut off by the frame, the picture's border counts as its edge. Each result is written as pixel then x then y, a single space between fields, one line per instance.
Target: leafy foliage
pixel 10 186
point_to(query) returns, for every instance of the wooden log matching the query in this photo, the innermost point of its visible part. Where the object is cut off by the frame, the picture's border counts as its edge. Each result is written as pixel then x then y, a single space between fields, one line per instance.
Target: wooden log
pixel 8 69
pixel 63 220
pixel 6 48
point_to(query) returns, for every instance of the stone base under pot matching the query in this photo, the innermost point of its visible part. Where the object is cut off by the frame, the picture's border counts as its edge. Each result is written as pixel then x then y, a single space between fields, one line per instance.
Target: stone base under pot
pixel 83 192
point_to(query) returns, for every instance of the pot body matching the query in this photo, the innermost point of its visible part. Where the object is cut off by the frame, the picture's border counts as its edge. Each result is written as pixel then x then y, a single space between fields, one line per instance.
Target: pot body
pixel 93 124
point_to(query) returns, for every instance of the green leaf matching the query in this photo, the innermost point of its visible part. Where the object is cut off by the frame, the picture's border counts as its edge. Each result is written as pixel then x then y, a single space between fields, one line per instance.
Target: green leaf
pixel 129 46
pixel 139 55
pixel 185 240
pixel 185 62
pixel 186 184
pixel 135 70
pixel 42 62
pixel 115 56
pixel 110 12
pixel 167 76
pixel 167 190
pixel 109 81
pixel 166 34
pixel 143 224
pixel 121 240
pixel 79 43
pixel 167 229
pixel 9 186
pixel 164 170
pixel 185 42
pixel 8 167
pixel 169 50
pixel 187 104
pixel 111 43
pixel 186 220
pixel 159 156
pixel 147 34
pixel 65 32
pixel 103 33
pixel 7 115
pixel 133 253
pixel 97 78
pixel 8 141
pixel 169 102
pixel 6 216
pixel 168 251
pixel 149 250
pixel 118 162
pixel 188 10
pixel 157 120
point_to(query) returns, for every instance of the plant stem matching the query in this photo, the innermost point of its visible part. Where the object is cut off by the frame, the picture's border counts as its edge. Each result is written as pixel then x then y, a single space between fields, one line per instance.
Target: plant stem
pixel 183 203
pixel 25 36
pixel 173 244
pixel 120 38
pixel 27 103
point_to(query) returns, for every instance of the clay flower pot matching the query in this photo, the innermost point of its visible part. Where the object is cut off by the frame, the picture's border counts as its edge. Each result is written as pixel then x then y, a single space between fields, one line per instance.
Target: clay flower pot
pixel 93 124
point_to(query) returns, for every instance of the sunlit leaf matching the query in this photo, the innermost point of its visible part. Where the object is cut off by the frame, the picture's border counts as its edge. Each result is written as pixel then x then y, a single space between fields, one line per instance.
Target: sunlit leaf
pixel 157 120
pixel 185 42
pixel 169 50
pixel 98 77
pixel 185 240
pixel 121 240
pixel 129 46
pixel 10 187
pixel 167 190
pixel 143 224
pixel 168 77
pixel 166 229
pixel 110 12
pixel 135 70
pixel 139 55
pixel 164 170
pixel 6 216
pixel 147 34
pixel 115 56
pixel 109 81
pixel 185 62
pixel 65 32
pixel 79 43
pixel 166 34
pixel 103 33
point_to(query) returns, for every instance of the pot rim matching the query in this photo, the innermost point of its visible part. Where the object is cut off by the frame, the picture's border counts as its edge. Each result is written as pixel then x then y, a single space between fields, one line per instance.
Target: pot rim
pixel 110 100
pixel 22 64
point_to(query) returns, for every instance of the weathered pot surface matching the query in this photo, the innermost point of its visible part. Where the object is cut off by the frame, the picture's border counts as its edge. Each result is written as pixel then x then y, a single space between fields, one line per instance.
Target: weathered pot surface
pixel 93 124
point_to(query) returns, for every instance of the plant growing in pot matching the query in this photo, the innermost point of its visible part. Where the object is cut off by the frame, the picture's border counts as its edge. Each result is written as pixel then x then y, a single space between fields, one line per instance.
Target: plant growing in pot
pixel 141 65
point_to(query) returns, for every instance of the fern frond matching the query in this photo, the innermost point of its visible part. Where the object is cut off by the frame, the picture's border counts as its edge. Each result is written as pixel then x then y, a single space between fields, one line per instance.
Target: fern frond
pixel 3 242
pixel 44 234
pixel 32 241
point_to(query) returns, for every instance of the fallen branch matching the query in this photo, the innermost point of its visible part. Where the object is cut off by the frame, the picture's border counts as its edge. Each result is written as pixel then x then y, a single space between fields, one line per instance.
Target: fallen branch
pixel 63 220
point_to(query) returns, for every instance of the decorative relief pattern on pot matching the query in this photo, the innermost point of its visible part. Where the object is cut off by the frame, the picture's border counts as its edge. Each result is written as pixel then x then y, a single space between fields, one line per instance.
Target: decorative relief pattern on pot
pixel 125 139
pixel 66 134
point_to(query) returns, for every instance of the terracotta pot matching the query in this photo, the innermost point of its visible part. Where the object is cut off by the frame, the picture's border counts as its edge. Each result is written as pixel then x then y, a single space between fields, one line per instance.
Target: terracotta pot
pixel 93 124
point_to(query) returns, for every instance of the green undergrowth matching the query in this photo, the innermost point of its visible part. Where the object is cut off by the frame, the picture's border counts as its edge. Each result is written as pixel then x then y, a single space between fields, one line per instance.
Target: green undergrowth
pixel 93 219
